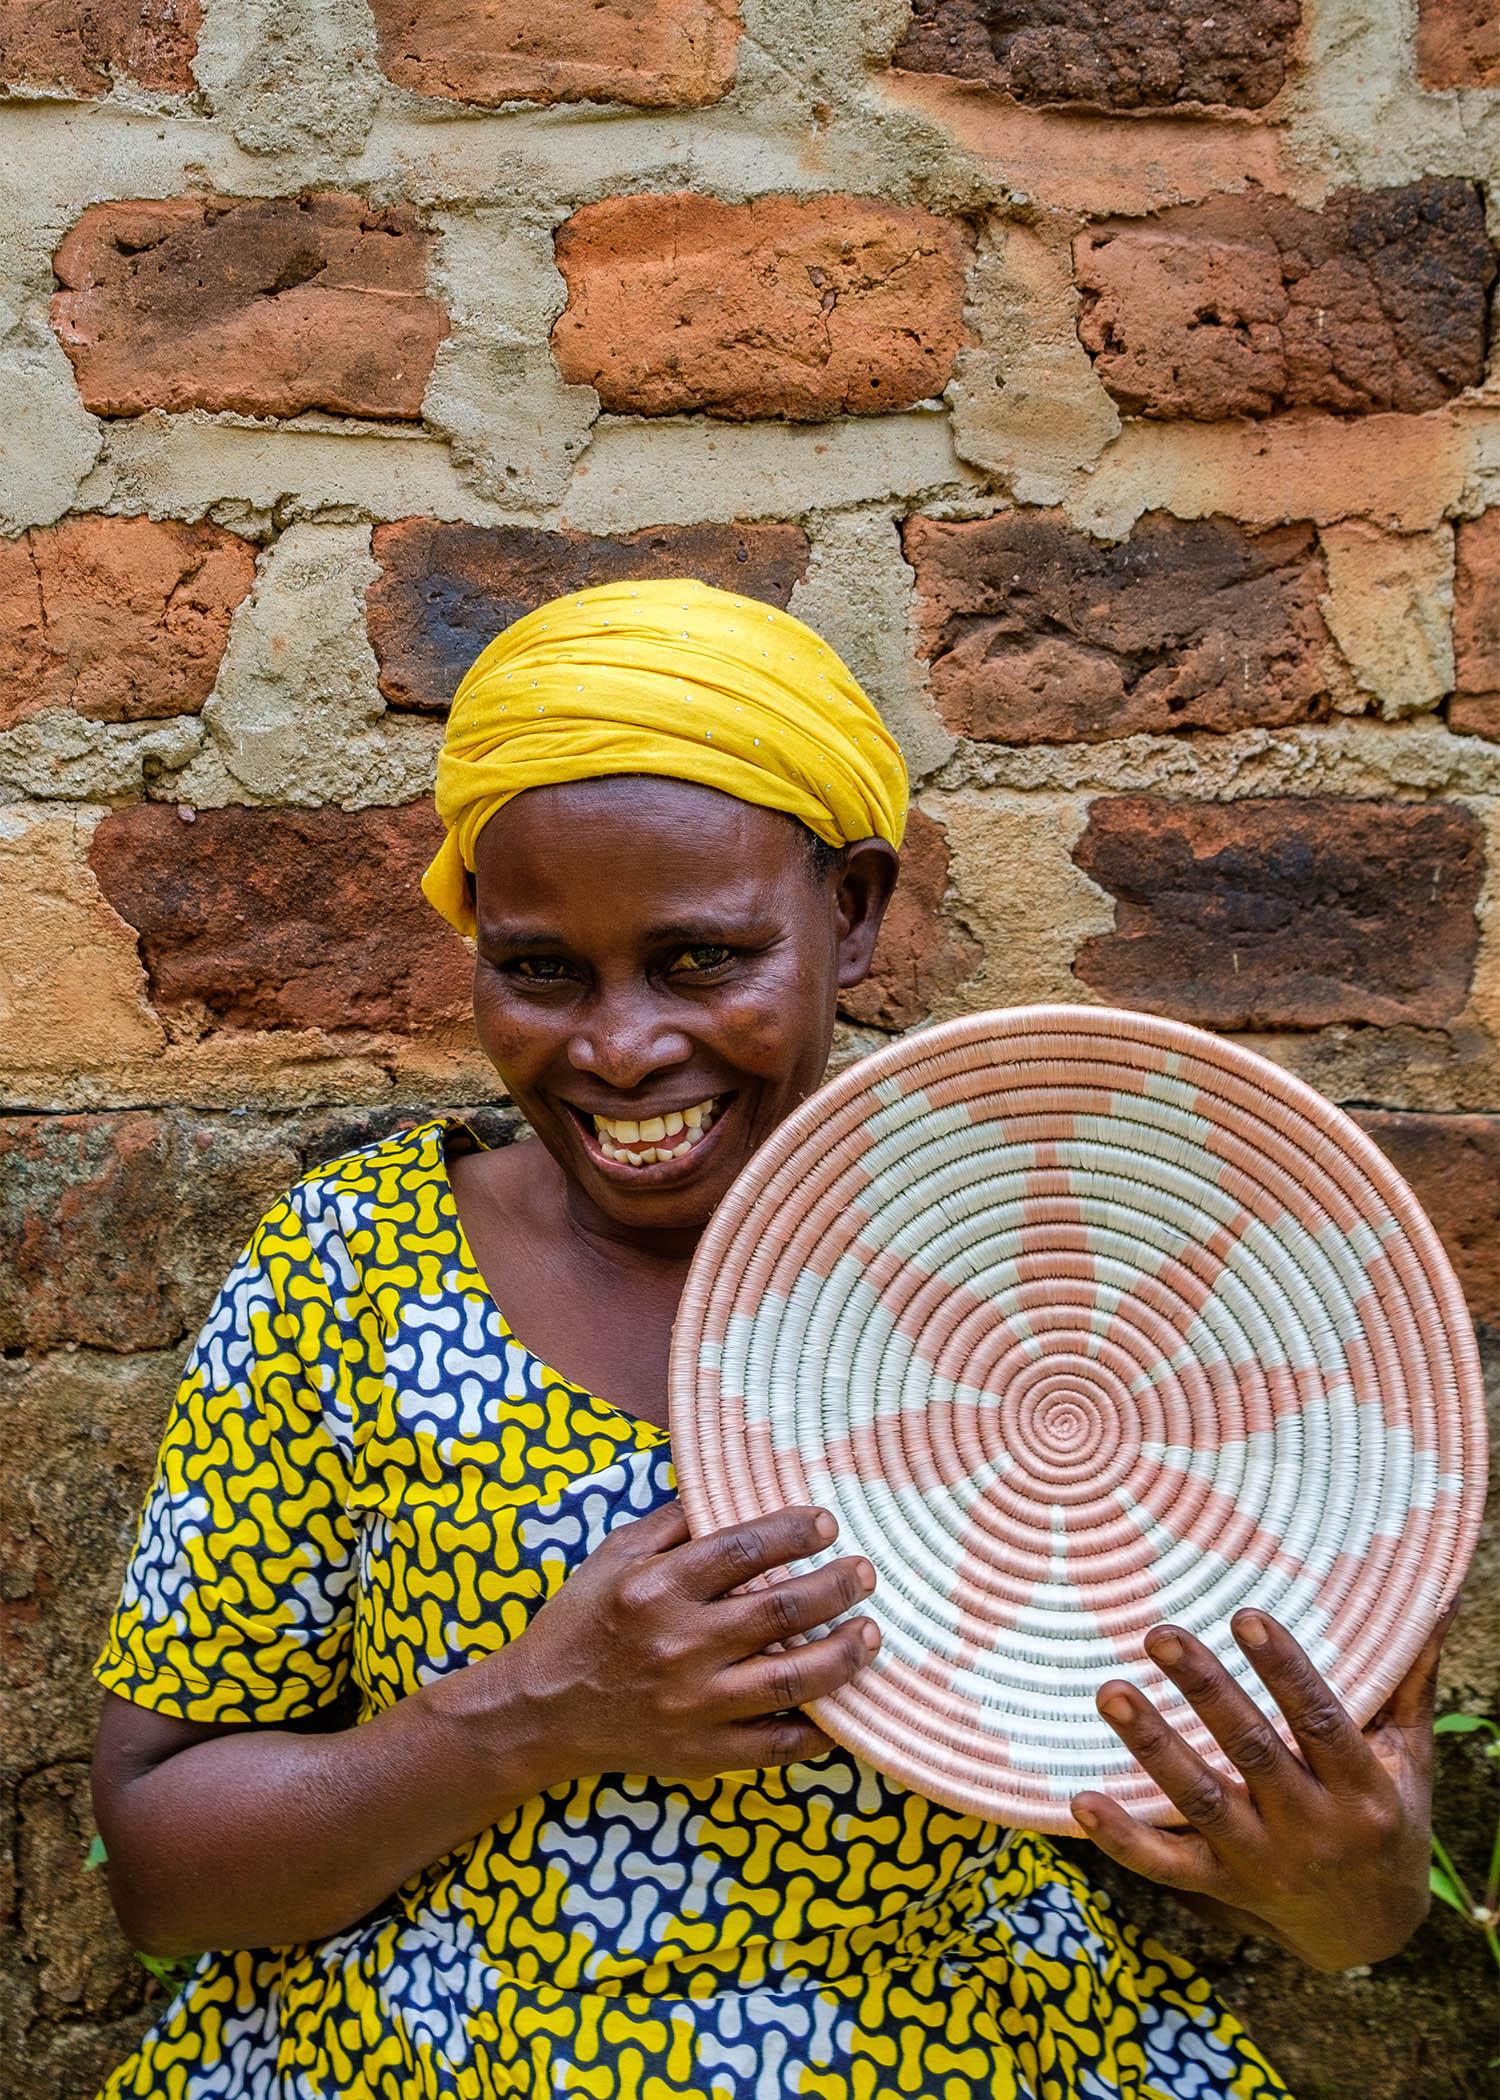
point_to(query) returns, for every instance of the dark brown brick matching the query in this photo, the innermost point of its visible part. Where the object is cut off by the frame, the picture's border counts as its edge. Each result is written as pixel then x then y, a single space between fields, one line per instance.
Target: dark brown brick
pixel 1458 44
pixel 446 590
pixel 80 49
pixel 80 1435
pixel 120 618
pixel 1039 634
pixel 1475 706
pixel 267 305
pixel 68 1929
pixel 286 918
pixel 653 53
pixel 923 953
pixel 1284 913
pixel 1107 54
pixel 1453 1166
pixel 839 306
pixel 1249 304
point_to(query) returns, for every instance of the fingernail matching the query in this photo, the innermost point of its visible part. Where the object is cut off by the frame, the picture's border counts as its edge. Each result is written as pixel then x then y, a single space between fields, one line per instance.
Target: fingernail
pixel 1120 1711
pixel 1167 1650
pixel 825 1526
pixel 870 1635
pixel 1086 1818
pixel 1252 1629
pixel 866 1575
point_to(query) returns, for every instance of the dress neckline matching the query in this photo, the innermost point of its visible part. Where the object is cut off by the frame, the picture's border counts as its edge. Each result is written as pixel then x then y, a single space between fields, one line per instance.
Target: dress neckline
pixel 647 1433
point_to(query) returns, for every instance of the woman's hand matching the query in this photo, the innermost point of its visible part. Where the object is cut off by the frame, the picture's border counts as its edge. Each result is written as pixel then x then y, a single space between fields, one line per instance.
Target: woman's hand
pixel 645 1661
pixel 1326 1853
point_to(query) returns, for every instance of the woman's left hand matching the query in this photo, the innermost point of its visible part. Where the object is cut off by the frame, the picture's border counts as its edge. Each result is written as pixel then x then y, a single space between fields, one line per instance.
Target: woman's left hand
pixel 1326 1852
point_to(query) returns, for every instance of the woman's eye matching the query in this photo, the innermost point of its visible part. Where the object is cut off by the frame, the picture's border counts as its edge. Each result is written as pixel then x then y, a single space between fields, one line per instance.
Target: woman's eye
pixel 708 955
pixel 539 969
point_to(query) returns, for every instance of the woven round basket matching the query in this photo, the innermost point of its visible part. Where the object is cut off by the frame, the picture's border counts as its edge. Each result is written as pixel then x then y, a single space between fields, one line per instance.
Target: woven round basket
pixel 1079 1320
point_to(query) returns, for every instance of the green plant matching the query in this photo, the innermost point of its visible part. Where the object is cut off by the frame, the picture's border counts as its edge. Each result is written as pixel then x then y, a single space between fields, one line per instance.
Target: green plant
pixel 172 1974
pixel 1444 1879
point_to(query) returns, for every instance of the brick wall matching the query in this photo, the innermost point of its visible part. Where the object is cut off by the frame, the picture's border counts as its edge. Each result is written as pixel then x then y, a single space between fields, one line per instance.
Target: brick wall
pixel 1111 382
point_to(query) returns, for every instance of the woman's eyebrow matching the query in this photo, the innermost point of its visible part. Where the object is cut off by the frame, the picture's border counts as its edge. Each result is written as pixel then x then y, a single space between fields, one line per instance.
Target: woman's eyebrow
pixel 705 929
pixel 494 933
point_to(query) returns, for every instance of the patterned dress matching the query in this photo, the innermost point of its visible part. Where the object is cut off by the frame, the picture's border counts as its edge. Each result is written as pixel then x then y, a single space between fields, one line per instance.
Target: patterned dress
pixel 366 1474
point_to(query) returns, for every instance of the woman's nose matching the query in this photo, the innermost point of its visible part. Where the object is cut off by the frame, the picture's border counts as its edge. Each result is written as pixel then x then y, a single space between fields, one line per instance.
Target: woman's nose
pixel 623 1040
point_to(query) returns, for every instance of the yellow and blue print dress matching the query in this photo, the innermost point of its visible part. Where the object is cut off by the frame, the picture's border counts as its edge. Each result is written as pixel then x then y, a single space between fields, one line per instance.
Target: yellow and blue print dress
pixel 366 1475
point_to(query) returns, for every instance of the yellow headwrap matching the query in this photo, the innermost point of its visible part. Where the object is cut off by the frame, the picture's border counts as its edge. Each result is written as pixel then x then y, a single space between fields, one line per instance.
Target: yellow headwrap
pixel 675 679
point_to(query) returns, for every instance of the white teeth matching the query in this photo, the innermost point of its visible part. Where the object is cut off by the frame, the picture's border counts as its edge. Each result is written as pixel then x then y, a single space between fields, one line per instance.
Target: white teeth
pixel 638 1144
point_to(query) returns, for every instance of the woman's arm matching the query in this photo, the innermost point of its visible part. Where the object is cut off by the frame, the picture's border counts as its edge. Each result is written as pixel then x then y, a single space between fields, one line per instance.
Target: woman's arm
pixel 249 1837
pixel 1326 1853
pixel 646 1660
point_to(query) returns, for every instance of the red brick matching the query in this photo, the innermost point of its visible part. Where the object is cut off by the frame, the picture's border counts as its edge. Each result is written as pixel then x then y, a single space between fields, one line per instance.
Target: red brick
pixel 265 305
pixel 88 1232
pixel 654 53
pixel 1282 912
pixel 70 49
pixel 923 953
pixel 285 918
pixel 1453 1166
pixel 121 618
pixel 1458 44
pixel 844 305
pixel 1475 706
pixel 1248 304
pixel 1037 633
pixel 1107 54
pixel 446 590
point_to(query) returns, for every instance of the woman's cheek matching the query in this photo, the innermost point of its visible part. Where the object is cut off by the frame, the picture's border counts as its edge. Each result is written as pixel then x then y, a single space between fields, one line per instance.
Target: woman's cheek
pixel 509 1038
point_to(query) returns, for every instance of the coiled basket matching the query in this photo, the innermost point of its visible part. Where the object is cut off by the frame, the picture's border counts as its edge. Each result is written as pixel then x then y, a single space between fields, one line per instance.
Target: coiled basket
pixel 1080 1320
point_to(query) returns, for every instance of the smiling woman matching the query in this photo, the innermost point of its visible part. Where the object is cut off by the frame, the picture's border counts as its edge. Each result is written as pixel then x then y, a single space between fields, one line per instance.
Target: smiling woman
pixel 621 987
pixel 578 1836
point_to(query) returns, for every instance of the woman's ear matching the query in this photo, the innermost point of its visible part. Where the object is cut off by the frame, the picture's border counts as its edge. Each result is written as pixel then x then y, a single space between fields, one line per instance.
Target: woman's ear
pixel 866 877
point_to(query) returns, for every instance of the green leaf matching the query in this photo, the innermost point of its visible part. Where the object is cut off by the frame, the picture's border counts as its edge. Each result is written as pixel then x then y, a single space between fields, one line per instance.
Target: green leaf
pixel 171 1973
pixel 1445 1892
pixel 1463 1724
pixel 96 1855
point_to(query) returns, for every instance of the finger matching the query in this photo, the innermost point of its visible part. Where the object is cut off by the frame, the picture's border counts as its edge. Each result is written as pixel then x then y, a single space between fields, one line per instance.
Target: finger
pixel 784 1739
pixel 1216 1808
pixel 1274 1777
pixel 1329 1739
pixel 1411 1703
pixel 749 1625
pixel 657 1532
pixel 1178 1859
pixel 775 1683
pixel 725 1560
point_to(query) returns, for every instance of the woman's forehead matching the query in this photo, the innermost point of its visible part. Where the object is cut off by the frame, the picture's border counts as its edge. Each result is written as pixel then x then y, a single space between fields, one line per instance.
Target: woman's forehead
pixel 634 846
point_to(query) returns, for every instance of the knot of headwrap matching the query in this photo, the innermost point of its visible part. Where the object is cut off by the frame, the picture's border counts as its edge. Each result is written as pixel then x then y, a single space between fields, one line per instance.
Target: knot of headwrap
pixel 675 679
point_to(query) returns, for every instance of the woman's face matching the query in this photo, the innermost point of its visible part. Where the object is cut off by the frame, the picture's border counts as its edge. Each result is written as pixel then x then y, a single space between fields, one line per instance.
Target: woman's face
pixel 657 971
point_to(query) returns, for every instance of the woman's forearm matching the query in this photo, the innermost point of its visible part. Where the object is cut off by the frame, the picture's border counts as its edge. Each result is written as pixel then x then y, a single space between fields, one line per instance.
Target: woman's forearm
pixel 266 1837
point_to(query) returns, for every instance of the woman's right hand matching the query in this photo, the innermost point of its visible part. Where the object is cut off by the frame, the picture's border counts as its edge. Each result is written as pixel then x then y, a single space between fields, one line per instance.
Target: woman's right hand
pixel 648 1660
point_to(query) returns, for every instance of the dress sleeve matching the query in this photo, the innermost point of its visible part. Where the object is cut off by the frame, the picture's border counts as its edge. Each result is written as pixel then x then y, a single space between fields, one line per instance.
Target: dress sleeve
pixel 237 1604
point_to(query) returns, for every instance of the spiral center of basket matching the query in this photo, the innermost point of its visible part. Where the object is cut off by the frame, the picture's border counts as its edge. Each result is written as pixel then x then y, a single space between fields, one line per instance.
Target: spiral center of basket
pixel 1068 1424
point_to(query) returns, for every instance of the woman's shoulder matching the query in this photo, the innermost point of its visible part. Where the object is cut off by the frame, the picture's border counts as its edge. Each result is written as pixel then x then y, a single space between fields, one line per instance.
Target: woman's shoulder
pixel 372 1198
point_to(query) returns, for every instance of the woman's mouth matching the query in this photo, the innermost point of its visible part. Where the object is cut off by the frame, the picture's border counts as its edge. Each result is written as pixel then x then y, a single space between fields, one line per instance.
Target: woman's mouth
pixel 653 1141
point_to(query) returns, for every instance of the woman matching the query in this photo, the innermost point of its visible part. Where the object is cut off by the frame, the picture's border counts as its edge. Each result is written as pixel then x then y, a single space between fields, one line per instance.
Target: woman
pixel 581 1840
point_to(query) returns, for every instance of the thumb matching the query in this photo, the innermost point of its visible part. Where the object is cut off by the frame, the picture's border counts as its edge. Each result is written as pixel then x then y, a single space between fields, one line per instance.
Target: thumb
pixel 1411 1703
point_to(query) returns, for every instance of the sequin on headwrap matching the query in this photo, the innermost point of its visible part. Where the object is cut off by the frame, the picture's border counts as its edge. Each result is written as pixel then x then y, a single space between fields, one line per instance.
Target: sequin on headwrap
pixel 675 679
